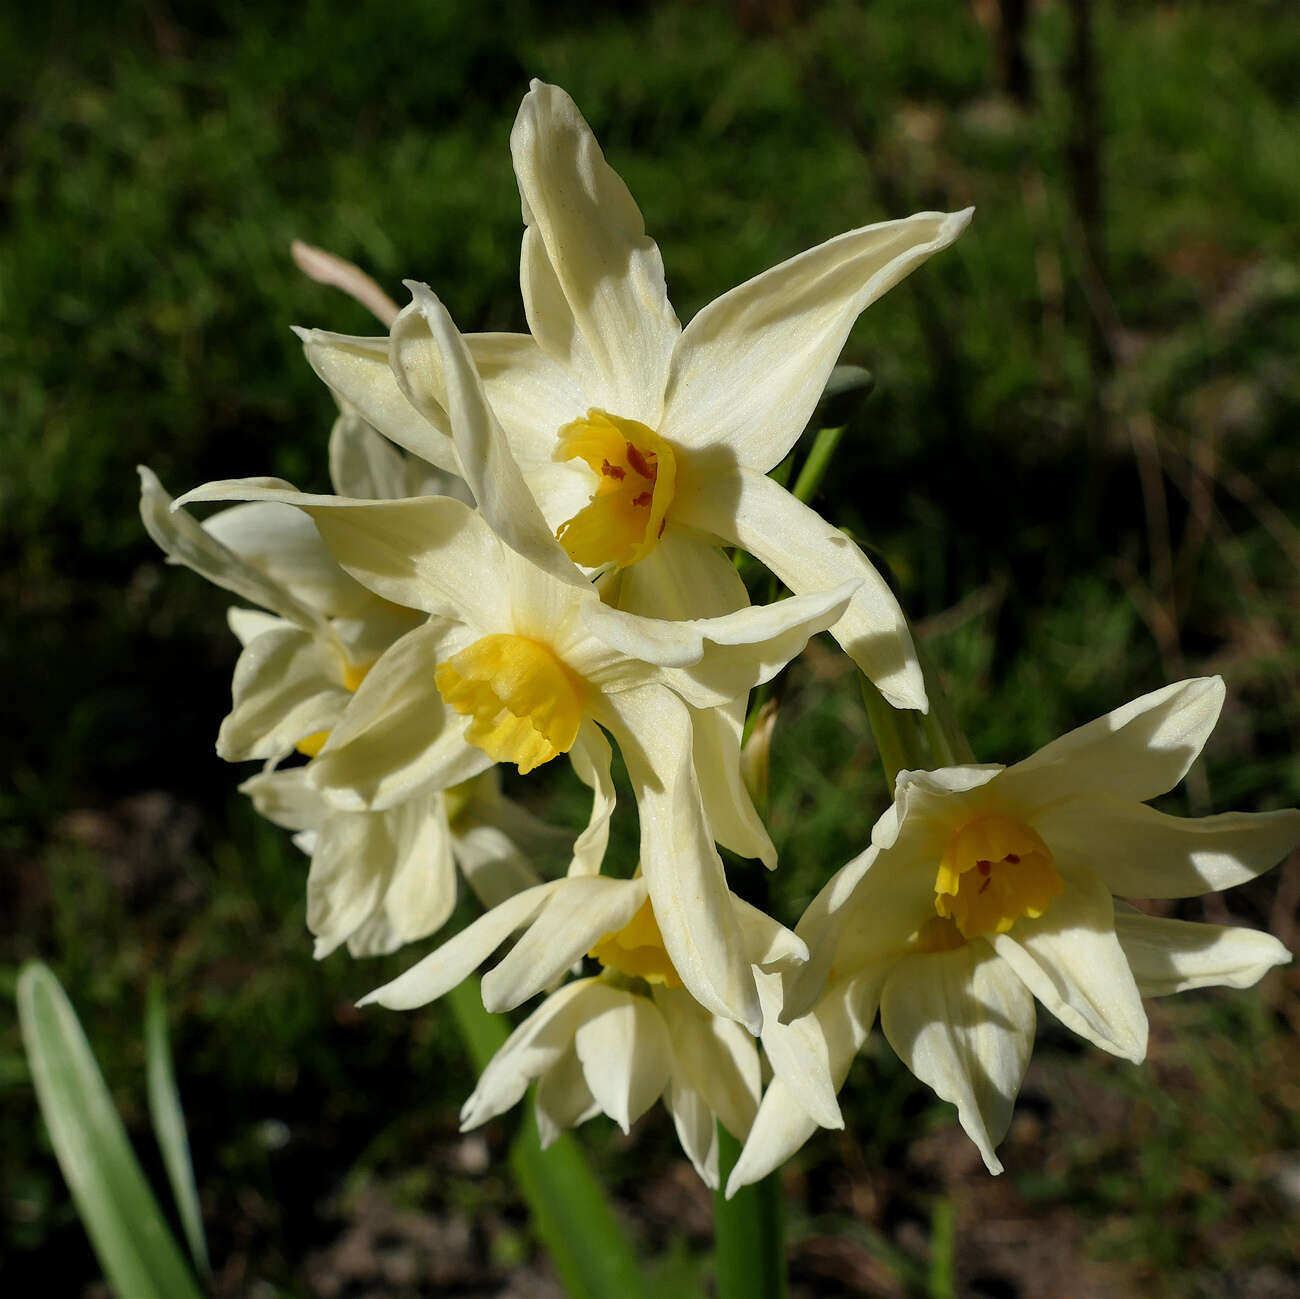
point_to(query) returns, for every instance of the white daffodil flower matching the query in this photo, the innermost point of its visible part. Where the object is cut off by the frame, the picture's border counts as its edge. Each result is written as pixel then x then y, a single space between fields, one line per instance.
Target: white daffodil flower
pixel 382 879
pixel 522 647
pixel 611 1044
pixel 986 887
pixel 643 444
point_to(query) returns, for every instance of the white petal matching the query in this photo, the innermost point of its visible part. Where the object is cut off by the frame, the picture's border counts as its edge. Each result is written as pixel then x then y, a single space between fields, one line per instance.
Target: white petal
pixel 491 863
pixel 767 941
pixel 287 685
pixel 488 463
pixel 625 1051
pixel 287 798
pixel 1136 752
pixel 1072 962
pixel 800 1056
pixel 284 544
pixel 964 1025
pixel 538 1044
pixel 422 892
pixel 185 541
pixel 593 281
pixel 350 870
pixel 363 464
pixel 563 1099
pixel 460 955
pixel 1169 956
pixel 807 554
pixel 697 1129
pixel 1142 853
pixel 683 577
pixel 681 866
pixel 727 803
pixel 844 1017
pixel 750 367
pixel 358 371
pixel 396 734
pixel 591 757
pixel 580 912
pixel 717 1058
pixel 249 624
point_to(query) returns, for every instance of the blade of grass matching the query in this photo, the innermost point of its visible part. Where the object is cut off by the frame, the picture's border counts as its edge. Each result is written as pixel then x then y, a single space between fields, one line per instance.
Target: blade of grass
pixel 140 1258
pixel 169 1125
pixel 576 1222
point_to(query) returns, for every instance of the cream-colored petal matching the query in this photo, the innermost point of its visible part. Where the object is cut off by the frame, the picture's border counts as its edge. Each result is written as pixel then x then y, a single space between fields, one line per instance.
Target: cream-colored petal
pixel 681 866
pixel 767 942
pixel 625 1050
pixel 727 803
pixel 287 685
pixel 758 515
pixel 593 281
pixel 800 1056
pixel 1135 752
pixel 843 1016
pixel 249 624
pixel 1071 960
pixel 396 735
pixel 460 955
pixel 563 1099
pixel 697 1129
pixel 1142 853
pixel 284 544
pixel 1168 956
pixel 578 914
pixel 358 372
pixel 683 577
pixel 538 1044
pixel 591 757
pixel 491 862
pixel 287 798
pixel 350 869
pixel 716 1057
pixel 750 367
pixel 963 1023
pixel 365 465
pixel 422 892
pixel 184 541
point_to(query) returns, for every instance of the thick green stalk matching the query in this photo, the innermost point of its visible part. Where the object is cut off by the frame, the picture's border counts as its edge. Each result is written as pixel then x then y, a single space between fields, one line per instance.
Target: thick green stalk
pixel 900 735
pixel 748 1231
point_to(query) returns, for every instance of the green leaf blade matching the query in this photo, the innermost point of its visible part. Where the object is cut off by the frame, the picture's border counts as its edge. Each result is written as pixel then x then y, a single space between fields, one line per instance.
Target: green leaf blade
pixel 126 1227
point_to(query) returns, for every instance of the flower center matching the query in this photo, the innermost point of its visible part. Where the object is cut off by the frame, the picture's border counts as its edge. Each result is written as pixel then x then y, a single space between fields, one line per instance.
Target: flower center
pixel 638 950
pixel 637 471
pixel 994 870
pixel 310 745
pixel 525 706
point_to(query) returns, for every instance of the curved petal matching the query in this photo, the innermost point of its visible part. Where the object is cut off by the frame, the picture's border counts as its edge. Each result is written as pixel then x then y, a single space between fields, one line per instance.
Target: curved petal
pixel 727 803
pixel 488 464
pixel 684 577
pixel 1168 956
pixel 461 955
pixel 563 1099
pixel 1071 960
pixel 538 1044
pixel 625 1050
pixel 396 734
pixel 681 866
pixel 697 1129
pixel 800 1056
pixel 963 1023
pixel 422 891
pixel 249 624
pixel 1135 752
pixel 284 544
pixel 357 370
pixel 808 555
pixel 184 540
pixel 287 686
pixel 287 799
pixel 593 281
pixel 591 757
pixel 749 369
pixel 491 862
pixel 579 913
pixel 365 465
pixel 843 1017
pixel 350 869
pixel 1142 853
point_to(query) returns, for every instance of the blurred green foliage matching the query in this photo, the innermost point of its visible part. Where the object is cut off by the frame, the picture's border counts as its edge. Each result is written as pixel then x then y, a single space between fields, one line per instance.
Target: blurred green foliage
pixel 1079 462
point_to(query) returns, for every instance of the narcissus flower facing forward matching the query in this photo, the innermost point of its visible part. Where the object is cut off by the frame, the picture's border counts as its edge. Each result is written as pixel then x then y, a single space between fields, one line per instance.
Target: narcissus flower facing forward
pixel 613 1043
pixel 987 887
pixel 521 646
pixel 643 443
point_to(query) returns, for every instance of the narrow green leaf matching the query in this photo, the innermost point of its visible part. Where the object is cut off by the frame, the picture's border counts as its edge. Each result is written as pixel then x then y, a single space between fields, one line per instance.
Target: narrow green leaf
pixel 583 1238
pixel 169 1124
pixel 140 1258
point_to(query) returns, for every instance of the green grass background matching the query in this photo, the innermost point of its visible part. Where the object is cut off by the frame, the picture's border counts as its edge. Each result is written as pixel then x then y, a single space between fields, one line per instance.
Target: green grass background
pixel 1080 462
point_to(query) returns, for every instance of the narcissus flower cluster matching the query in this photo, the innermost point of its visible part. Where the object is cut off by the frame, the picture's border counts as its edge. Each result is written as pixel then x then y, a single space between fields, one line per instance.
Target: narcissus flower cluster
pixel 528 557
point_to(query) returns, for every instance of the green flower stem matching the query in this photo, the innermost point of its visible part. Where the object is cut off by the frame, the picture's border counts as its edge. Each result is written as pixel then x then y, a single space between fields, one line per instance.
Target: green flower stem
pixel 900 734
pixel 814 468
pixel 570 1212
pixel 748 1229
